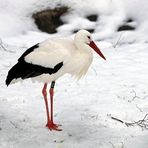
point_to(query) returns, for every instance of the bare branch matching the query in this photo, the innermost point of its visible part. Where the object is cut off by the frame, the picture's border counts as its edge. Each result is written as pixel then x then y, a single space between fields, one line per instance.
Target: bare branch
pixel 117 119
pixel 139 108
pixel 2 45
pixel 145 97
pixel 94 70
pixel 134 97
pixel 112 144
pixel 14 124
pixel 115 45
pixel 122 145
pixel 143 123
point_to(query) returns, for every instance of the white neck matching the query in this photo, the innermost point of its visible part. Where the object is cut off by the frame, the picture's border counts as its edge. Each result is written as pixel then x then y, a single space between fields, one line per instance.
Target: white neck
pixel 82 46
pixel 83 58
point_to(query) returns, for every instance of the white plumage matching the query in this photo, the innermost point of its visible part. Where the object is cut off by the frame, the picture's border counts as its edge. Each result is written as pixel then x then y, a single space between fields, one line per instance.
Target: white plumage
pixel 76 56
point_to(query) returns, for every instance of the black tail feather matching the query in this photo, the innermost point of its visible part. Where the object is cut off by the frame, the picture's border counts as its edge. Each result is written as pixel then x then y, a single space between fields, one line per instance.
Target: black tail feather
pixel 12 74
pixel 21 70
pixel 25 70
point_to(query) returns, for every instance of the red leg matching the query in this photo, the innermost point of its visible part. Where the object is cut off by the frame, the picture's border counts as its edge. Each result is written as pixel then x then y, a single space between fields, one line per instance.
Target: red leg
pixel 51 91
pixel 51 125
pixel 46 101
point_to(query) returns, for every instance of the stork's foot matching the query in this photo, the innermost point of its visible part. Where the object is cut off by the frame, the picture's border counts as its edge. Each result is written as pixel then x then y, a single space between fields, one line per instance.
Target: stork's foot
pixel 53 126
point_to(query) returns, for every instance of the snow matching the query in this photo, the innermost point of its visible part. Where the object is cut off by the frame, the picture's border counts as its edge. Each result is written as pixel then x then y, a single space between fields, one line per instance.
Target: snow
pixel 116 87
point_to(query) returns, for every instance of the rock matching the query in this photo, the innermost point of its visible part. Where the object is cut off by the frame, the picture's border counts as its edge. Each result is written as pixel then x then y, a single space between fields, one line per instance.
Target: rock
pixel 129 24
pixel 129 20
pixel 92 17
pixel 49 20
pixel 89 30
pixel 125 27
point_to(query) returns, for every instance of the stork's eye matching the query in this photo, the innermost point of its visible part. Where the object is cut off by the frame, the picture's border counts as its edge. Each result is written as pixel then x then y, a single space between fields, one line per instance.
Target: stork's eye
pixel 88 37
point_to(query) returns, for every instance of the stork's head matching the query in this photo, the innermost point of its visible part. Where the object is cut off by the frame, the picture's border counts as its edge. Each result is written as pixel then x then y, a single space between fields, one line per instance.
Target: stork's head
pixel 84 37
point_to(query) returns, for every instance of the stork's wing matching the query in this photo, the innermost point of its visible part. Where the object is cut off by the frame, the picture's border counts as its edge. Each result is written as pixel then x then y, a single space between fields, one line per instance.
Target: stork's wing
pixel 26 70
pixel 47 59
pixel 35 64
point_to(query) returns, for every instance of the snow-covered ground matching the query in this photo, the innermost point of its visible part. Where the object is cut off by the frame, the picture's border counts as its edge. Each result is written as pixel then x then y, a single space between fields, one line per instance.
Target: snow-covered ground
pixel 117 87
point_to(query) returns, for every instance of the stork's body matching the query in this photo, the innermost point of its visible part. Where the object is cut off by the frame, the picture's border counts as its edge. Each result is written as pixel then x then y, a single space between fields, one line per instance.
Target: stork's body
pixel 53 52
pixel 49 60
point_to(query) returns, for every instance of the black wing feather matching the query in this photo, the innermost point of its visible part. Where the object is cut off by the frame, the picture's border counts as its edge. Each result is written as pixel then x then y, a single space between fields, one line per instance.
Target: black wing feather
pixel 28 51
pixel 26 70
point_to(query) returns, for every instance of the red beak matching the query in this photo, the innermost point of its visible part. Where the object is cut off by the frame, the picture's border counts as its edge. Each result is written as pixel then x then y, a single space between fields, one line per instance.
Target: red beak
pixel 94 46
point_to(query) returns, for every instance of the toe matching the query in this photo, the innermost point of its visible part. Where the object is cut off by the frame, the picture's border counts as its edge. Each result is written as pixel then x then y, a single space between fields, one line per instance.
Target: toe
pixel 52 126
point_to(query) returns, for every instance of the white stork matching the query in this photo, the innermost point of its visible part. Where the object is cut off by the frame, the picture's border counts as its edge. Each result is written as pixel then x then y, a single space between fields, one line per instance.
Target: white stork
pixel 48 60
